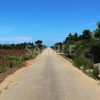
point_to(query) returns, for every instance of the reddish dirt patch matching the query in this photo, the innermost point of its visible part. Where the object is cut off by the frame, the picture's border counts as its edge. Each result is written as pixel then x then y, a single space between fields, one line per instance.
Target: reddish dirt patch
pixel 16 52
pixel 4 53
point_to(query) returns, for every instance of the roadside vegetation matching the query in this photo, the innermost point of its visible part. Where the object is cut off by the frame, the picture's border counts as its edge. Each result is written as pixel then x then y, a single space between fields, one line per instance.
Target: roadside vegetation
pixel 83 49
pixel 12 55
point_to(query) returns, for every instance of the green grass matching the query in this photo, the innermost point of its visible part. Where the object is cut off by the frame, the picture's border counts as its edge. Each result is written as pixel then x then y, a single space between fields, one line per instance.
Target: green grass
pixel 27 57
pixel 87 66
pixel 96 73
pixel 84 62
pixel 14 60
pixel 3 69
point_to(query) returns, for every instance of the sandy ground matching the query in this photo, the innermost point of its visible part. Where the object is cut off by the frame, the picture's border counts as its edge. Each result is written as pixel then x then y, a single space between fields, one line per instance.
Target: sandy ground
pixel 50 77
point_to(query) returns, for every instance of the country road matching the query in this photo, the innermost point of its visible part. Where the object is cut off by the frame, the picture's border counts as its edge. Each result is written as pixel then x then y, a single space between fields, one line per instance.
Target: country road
pixel 50 77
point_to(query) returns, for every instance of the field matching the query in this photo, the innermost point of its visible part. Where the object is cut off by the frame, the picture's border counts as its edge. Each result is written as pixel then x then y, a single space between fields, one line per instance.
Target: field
pixel 15 56
pixel 16 52
pixel 6 54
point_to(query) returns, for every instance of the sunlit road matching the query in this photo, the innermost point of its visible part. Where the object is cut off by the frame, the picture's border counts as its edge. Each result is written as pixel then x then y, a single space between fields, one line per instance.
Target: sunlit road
pixel 50 77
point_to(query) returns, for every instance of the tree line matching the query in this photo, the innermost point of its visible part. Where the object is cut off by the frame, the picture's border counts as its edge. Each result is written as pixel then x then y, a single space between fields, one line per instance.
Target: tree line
pixel 88 43
pixel 83 49
pixel 37 44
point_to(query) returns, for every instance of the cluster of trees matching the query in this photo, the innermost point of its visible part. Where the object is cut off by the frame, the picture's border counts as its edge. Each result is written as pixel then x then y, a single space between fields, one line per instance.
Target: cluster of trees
pixel 37 44
pixel 83 49
pixel 88 43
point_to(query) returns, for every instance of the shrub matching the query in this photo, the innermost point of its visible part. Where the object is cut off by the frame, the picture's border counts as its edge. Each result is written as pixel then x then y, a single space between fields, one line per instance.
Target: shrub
pixel 3 69
pixel 12 57
pixel 27 57
pixel 82 61
pixel 96 72
pixel 1 56
pixel 14 60
pixel 88 64
pixel 13 63
pixel 78 61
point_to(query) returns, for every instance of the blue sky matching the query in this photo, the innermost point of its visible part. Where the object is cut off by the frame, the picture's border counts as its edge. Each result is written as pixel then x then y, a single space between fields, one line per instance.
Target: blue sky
pixel 47 20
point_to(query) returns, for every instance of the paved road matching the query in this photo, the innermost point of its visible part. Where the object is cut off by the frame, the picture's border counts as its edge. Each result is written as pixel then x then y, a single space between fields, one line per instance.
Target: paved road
pixel 50 77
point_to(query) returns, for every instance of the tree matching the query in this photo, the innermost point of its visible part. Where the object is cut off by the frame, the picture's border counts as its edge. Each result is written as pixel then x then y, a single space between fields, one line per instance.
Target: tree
pixel 97 31
pixel 60 46
pixel 98 25
pixel 69 39
pixel 75 37
pixel 86 34
pixel 39 43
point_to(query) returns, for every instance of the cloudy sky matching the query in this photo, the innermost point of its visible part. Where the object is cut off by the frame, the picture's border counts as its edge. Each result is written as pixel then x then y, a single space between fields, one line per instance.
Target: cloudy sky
pixel 47 20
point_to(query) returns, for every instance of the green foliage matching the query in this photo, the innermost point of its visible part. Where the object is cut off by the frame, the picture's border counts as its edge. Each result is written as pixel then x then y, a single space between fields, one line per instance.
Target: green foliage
pixel 71 39
pixel 3 69
pixel 96 73
pixel 35 52
pixel 84 62
pixel 86 34
pixel 13 63
pixel 97 33
pixel 79 61
pixel 27 57
pixel 83 49
pixel 39 44
pixel 16 46
pixel 1 56
pixel 12 57
pixel 98 25
pixel 13 60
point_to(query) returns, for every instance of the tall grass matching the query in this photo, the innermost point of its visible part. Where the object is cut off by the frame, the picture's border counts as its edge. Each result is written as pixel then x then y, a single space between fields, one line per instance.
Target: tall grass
pixel 13 60
pixel 3 69
pixel 81 61
pixel 87 66
pixel 96 73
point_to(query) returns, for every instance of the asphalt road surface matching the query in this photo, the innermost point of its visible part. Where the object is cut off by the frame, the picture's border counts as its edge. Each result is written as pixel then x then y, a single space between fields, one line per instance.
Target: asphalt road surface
pixel 50 77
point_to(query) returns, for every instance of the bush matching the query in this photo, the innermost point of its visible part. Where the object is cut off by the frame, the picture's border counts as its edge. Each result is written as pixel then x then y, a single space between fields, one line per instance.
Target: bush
pixel 14 60
pixel 3 69
pixel 82 61
pixel 88 64
pixel 78 61
pixel 27 57
pixel 1 56
pixel 12 57
pixel 13 63
pixel 96 72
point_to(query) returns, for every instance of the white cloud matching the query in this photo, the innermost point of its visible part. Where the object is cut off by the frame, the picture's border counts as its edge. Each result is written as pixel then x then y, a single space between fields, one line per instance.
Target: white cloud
pixel 15 39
